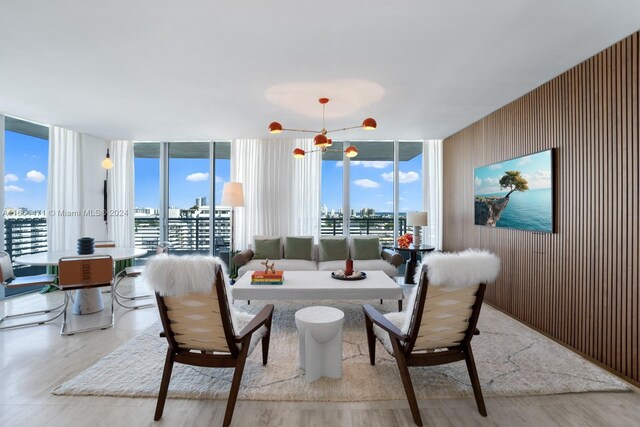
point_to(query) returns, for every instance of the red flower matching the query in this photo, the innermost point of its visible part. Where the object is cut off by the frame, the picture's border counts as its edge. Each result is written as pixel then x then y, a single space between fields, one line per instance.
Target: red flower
pixel 405 240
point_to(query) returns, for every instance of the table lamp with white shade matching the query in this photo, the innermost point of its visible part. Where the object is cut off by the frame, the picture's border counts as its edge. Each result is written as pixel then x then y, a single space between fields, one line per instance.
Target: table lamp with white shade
pixel 232 196
pixel 417 220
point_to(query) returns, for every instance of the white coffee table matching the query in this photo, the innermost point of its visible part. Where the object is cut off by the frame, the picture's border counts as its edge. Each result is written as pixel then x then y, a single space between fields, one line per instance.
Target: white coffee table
pixel 320 341
pixel 319 285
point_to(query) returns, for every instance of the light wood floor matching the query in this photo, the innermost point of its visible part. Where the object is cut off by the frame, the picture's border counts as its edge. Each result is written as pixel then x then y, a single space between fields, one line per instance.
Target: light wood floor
pixel 35 360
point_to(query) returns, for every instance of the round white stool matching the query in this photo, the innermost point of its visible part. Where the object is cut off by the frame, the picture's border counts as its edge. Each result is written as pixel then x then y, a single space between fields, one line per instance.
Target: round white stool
pixel 320 341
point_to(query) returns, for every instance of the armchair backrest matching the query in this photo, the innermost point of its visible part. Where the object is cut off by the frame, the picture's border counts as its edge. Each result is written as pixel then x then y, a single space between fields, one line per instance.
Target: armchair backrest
pixel 82 272
pixel 449 297
pixel 6 267
pixel 197 320
pixel 444 317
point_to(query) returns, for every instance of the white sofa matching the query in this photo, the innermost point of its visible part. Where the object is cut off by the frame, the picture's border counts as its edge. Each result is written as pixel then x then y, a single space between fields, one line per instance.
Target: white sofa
pixel 388 262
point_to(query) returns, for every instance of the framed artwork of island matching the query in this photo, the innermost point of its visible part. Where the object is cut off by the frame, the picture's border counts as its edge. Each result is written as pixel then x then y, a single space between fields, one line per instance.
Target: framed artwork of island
pixel 516 193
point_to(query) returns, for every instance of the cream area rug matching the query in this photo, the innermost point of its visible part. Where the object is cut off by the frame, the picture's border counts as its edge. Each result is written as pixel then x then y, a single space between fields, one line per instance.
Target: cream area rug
pixel 512 360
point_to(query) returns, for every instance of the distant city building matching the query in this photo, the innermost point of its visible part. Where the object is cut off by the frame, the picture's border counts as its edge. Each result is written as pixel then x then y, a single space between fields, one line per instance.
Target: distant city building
pixel 141 212
pixel 367 212
pixel 201 201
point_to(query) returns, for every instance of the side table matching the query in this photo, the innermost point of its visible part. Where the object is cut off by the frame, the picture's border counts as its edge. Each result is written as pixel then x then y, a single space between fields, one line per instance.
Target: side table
pixel 320 341
pixel 410 267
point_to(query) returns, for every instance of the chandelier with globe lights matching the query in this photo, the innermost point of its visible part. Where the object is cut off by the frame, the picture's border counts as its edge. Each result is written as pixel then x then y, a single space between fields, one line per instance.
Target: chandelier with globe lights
pixel 320 141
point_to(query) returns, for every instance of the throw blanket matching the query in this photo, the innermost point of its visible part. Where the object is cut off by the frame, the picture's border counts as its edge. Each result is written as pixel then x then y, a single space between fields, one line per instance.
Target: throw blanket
pixel 177 276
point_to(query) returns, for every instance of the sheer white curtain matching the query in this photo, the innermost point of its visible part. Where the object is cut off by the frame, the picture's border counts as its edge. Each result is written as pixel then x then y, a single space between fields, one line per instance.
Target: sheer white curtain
pixel 64 189
pixel 120 201
pixel 282 194
pixel 432 190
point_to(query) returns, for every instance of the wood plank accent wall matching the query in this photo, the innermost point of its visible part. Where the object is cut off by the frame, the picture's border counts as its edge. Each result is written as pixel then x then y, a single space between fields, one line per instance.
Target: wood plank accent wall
pixel 581 284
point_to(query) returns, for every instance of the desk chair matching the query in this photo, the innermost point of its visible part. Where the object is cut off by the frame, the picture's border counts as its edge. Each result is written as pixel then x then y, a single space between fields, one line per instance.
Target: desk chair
pixel 127 301
pixel 84 272
pixel 10 281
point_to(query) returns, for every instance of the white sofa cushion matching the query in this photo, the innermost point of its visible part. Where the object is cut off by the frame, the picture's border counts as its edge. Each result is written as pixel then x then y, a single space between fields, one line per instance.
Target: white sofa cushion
pixel 281 264
pixel 360 265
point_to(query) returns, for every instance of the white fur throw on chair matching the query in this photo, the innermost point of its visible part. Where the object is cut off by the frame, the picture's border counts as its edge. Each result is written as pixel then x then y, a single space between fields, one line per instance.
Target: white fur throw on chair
pixel 177 276
pixel 453 270
pixel 460 269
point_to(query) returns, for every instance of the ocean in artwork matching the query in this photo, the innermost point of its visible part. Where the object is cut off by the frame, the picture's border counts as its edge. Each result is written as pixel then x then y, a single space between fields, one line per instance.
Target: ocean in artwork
pixel 529 210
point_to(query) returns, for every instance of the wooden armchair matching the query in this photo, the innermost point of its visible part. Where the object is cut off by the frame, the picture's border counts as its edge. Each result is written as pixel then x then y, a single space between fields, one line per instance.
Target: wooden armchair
pixel 437 328
pixel 203 329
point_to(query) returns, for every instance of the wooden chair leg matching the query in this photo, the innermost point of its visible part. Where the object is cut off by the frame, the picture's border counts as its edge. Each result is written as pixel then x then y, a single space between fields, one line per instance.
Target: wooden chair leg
pixel 164 385
pixel 265 341
pixel 406 381
pixel 371 340
pixel 235 384
pixel 475 381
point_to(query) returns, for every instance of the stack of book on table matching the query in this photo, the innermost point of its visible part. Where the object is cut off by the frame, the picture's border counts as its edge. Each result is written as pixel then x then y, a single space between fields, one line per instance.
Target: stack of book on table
pixel 262 278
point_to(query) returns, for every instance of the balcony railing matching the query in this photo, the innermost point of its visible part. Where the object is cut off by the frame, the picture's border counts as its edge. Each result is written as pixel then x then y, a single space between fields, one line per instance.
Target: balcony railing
pixel 191 235
pixel 382 226
pixel 25 236
pixel 186 235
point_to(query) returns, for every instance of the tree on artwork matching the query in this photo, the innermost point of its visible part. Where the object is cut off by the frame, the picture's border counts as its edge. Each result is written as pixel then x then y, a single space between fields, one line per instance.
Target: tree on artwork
pixel 513 181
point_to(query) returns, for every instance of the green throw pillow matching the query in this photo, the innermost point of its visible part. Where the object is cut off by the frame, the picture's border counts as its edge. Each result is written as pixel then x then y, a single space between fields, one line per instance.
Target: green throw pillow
pixel 366 248
pixel 266 248
pixel 299 248
pixel 333 249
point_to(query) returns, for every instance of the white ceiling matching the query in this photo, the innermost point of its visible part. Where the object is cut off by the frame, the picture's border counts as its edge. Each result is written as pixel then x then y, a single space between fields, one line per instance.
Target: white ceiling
pixel 171 70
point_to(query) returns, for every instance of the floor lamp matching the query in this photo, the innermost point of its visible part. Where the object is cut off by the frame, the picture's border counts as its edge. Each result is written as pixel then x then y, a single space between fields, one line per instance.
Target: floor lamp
pixel 233 197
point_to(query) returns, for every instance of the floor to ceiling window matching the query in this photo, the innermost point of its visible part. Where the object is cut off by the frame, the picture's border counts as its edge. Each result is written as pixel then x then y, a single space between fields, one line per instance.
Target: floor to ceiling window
pixel 371 190
pixel 189 181
pixel 377 197
pixel 147 195
pixel 222 226
pixel 25 157
pixel 178 191
pixel 331 215
pixel 409 181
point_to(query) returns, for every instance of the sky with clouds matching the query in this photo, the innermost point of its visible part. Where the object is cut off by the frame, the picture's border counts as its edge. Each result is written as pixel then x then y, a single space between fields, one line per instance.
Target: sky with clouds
pixel 535 168
pixel 188 179
pixel 25 175
pixel 372 185
pixel 25 180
